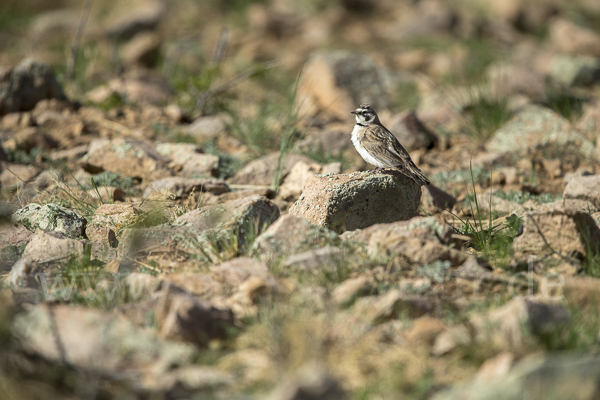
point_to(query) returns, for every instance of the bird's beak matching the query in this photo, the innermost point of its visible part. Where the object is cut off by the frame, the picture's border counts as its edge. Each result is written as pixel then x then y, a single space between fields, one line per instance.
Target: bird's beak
pixel 353 112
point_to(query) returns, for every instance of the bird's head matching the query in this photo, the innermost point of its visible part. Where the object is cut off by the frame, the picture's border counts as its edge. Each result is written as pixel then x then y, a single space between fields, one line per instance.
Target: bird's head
pixel 365 114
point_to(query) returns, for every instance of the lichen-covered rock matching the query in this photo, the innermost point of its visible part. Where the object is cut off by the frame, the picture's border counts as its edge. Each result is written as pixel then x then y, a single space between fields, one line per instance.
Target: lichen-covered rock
pixel 50 217
pixel 539 128
pixel 358 200
pixel 562 231
pixel 291 235
pixel 26 84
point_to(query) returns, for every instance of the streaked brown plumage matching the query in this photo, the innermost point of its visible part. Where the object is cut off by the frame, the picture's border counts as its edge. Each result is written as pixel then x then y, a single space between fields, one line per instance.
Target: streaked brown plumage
pixel 379 147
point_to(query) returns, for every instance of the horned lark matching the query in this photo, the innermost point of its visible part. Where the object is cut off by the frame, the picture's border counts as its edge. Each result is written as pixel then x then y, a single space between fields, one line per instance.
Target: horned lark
pixel 379 147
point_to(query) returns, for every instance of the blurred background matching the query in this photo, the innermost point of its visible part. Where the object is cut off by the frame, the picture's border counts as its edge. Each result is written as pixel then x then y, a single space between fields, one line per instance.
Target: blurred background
pixel 416 45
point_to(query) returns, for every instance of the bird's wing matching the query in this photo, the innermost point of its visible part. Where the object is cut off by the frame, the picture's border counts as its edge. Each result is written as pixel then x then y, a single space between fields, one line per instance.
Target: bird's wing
pixel 377 141
pixel 402 159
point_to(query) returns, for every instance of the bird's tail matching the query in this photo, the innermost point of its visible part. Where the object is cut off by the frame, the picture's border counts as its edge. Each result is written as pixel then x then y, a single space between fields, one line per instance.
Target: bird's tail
pixel 413 172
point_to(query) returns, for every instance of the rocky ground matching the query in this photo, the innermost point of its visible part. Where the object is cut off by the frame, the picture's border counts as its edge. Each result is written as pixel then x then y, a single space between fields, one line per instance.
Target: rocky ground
pixel 183 214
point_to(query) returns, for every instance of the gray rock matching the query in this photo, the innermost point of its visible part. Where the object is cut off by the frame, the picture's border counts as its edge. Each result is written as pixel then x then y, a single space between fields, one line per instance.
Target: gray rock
pixel 536 377
pixel 358 200
pixel 51 217
pixel 46 247
pixel 26 84
pixel 538 128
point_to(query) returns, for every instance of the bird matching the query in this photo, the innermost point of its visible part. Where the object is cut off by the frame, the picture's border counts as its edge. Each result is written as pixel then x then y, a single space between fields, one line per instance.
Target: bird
pixel 379 147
